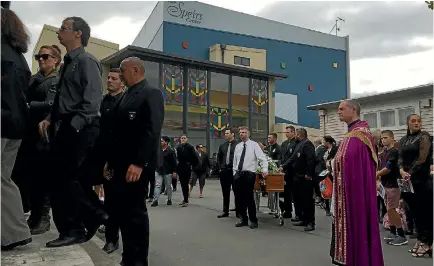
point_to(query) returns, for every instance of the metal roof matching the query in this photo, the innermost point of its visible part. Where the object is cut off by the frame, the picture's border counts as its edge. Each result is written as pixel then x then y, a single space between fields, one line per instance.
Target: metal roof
pixel 395 94
pixel 154 55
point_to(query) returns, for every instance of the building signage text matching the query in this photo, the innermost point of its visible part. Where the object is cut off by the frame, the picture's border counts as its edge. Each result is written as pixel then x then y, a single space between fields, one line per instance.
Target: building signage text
pixel 176 9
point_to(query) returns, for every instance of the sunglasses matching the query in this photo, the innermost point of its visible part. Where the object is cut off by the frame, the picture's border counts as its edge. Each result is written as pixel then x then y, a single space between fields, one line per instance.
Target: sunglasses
pixel 63 28
pixel 43 56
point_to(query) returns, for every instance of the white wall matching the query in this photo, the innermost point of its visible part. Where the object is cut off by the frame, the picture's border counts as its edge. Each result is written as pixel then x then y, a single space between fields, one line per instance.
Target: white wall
pixel 157 42
pixel 151 27
pixel 211 17
pixel 421 104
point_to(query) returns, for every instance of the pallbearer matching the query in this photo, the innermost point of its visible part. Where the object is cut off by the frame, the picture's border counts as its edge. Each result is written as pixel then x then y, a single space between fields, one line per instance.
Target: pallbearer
pixel 134 155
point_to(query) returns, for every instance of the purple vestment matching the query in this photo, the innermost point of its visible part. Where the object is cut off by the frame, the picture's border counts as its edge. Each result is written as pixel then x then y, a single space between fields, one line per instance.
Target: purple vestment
pixel 356 234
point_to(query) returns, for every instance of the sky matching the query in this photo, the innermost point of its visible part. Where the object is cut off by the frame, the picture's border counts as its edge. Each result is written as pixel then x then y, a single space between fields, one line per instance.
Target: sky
pixel 391 42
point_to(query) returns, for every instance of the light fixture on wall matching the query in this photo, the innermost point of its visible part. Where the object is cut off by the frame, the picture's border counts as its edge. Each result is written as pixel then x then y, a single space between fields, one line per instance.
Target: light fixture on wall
pixel 283 65
pixel 310 87
pixel 335 65
pixel 185 45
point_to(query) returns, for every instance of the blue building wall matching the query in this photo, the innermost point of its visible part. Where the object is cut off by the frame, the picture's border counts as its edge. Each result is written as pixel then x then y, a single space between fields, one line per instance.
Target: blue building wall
pixel 316 68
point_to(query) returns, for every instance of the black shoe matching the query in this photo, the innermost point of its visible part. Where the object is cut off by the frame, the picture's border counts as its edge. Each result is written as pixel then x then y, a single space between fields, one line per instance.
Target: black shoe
pixel 154 204
pixel 65 241
pixel 151 199
pixel 295 219
pixel 110 247
pixel 42 227
pixel 223 215
pixel 17 244
pixel 241 224
pixel 169 202
pixel 300 223
pixel 253 225
pixel 309 227
pixel 328 213
pixel 287 215
pixel 99 220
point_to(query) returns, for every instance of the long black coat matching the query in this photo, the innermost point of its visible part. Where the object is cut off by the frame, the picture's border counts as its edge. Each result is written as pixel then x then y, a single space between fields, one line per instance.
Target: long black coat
pixel 14 85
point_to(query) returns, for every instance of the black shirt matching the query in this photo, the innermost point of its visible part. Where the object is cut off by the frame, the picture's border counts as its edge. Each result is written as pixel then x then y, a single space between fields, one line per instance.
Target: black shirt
pixel 389 159
pixel 108 102
pixel 273 151
pixel 413 156
pixel 169 162
pixel 80 89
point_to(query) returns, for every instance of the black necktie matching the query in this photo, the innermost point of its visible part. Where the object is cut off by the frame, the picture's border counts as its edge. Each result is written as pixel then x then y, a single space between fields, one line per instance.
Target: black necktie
pixel 243 154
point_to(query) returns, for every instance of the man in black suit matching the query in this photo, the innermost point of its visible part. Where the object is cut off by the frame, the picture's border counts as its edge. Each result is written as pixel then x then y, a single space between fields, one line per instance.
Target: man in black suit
pixel 302 163
pixel 225 159
pixel 133 156
pixel 187 159
pixel 286 150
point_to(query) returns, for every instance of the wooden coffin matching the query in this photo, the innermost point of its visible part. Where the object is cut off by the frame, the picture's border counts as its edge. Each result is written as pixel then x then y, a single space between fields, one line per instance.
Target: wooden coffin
pixel 274 183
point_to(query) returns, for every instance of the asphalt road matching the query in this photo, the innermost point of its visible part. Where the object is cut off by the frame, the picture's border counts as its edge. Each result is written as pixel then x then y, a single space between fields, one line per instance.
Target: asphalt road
pixel 194 236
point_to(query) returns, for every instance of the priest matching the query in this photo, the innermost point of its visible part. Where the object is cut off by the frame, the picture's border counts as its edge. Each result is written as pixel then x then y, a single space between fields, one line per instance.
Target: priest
pixel 355 231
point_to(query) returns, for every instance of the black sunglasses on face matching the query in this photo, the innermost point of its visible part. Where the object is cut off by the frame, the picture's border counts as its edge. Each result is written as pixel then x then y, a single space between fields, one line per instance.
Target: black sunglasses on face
pixel 43 56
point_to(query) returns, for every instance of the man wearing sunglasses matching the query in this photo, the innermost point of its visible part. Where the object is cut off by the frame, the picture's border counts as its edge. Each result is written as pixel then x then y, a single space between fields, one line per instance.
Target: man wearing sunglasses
pixel 73 127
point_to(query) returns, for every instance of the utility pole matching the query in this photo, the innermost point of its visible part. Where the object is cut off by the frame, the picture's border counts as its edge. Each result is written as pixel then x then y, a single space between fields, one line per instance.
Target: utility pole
pixel 336 26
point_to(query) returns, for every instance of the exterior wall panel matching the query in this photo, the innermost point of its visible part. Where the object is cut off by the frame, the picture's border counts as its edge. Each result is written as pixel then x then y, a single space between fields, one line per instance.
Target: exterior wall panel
pixel 305 65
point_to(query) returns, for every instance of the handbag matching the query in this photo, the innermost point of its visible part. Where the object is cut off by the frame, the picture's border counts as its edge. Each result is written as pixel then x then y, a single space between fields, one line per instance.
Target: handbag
pixel 326 188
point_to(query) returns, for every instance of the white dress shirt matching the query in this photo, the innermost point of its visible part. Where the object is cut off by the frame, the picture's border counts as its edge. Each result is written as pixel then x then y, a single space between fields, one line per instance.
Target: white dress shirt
pixel 253 155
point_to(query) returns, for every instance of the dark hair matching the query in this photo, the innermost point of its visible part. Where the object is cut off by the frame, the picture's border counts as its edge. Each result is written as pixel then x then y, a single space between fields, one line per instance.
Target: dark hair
pixel 55 52
pixel 408 120
pixel 232 130
pixel 6 4
pixel 387 132
pixel 330 140
pixel 79 24
pixel 291 128
pixel 198 146
pixel 115 70
pixel 165 139
pixel 184 135
pixel 14 31
pixel 274 135
pixel 303 131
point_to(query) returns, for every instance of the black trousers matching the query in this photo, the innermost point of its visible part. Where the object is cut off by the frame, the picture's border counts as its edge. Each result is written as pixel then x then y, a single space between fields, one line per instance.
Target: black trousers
pixel 421 206
pixel 150 186
pixel 226 182
pixel 297 196
pixel 287 193
pixel 307 201
pixel 130 213
pixel 74 203
pixel 32 177
pixel 112 226
pixel 244 185
pixel 184 179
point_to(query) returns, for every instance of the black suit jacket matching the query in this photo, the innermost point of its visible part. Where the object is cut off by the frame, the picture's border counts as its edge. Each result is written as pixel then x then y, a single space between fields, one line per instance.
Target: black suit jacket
pixel 286 150
pixel 136 126
pixel 221 156
pixel 302 161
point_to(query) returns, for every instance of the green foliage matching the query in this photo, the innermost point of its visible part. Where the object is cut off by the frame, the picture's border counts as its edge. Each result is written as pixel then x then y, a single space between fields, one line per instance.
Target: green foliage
pixel 430 4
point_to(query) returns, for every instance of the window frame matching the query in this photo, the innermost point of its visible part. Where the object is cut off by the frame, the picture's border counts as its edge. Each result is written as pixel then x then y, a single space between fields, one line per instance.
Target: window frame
pixel 241 63
pixel 391 107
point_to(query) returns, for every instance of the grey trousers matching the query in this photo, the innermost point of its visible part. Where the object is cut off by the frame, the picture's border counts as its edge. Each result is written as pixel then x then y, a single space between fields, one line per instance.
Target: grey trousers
pixel 13 223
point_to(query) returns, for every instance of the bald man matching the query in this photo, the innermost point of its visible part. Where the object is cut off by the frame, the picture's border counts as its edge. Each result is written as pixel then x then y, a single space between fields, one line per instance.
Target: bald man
pixel 355 230
pixel 134 155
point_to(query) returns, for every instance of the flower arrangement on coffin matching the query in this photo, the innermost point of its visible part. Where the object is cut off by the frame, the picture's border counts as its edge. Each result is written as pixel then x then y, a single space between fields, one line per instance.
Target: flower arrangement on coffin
pixel 272 169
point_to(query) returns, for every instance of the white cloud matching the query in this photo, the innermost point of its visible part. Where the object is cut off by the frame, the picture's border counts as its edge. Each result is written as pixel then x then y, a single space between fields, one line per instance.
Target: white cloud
pixel 121 30
pixel 392 73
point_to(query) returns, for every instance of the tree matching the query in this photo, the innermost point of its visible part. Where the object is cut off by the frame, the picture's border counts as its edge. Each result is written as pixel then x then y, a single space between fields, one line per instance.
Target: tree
pixel 430 4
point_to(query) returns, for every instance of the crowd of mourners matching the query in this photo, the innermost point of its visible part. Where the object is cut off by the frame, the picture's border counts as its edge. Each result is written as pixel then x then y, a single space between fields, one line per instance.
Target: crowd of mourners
pixel 114 142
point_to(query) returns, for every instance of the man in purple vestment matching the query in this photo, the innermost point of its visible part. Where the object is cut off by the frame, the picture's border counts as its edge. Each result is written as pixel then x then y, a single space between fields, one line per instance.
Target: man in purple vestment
pixel 356 234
